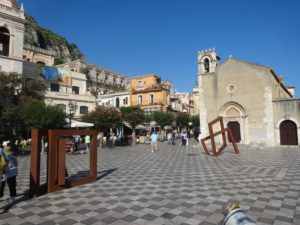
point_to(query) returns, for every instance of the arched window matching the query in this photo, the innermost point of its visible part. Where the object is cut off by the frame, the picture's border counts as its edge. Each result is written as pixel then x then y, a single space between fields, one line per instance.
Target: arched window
pixel 84 110
pixel 41 63
pixel 4 41
pixel 63 107
pixel 206 65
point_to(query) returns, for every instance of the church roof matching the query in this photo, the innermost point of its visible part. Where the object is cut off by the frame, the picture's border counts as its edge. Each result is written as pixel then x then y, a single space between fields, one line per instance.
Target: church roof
pixel 267 68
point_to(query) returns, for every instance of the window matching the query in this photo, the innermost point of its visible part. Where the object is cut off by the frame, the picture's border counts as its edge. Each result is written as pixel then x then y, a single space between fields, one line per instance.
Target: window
pixel 206 65
pixel 75 90
pixel 54 87
pixel 63 107
pixel 140 99
pixel 168 99
pixel 125 101
pixel 140 84
pixel 117 102
pixel 151 98
pixel 84 110
pixel 4 41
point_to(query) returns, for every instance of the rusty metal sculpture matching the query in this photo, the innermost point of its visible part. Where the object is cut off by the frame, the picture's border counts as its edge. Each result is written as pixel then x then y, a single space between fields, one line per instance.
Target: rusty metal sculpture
pixel 56 160
pixel 213 134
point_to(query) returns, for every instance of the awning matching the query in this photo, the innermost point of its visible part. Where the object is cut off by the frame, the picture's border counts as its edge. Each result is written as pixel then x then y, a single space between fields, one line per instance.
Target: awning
pixel 140 127
pixel 127 124
pixel 75 123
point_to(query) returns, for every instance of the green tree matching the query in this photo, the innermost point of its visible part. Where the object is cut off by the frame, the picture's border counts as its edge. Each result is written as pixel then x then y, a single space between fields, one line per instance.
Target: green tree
pixel 15 94
pixel 104 118
pixel 195 119
pixel 163 118
pixel 134 115
pixel 41 116
pixel 182 120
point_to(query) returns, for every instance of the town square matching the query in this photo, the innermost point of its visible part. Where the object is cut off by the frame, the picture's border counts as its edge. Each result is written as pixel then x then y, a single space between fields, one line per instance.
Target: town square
pixel 149 112
pixel 176 185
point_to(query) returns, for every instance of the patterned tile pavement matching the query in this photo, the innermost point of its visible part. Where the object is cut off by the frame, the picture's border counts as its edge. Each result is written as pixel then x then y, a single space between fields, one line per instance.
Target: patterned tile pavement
pixel 176 185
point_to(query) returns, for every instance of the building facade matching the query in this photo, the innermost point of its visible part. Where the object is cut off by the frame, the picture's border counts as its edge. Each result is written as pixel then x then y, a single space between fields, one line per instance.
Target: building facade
pixel 117 100
pixel 251 98
pixel 99 79
pixel 12 29
pixel 182 102
pixel 61 94
pixel 150 93
pixel 196 100
pixel 38 55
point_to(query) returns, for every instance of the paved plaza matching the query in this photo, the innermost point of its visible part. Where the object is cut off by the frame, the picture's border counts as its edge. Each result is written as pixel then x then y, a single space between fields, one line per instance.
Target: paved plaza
pixel 176 185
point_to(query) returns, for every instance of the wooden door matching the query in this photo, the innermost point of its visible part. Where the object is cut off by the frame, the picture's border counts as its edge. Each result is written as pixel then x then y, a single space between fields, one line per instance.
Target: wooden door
pixel 288 133
pixel 235 129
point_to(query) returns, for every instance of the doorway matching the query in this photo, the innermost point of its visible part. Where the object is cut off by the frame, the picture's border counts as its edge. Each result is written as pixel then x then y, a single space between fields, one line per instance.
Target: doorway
pixel 235 129
pixel 288 133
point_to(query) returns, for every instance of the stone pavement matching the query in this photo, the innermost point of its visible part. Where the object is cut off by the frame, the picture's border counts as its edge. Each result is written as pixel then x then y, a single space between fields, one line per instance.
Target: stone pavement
pixel 176 185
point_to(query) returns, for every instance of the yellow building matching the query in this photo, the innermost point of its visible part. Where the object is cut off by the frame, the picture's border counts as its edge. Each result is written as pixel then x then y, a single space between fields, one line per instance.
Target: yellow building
pixel 150 93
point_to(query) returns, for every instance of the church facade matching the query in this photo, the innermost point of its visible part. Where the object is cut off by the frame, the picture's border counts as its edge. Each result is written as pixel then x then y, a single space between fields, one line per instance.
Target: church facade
pixel 251 98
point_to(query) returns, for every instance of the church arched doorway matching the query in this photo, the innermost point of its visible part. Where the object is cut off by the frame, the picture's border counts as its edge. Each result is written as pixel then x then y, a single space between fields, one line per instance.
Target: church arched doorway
pixel 235 129
pixel 288 133
pixel 4 41
pixel 234 117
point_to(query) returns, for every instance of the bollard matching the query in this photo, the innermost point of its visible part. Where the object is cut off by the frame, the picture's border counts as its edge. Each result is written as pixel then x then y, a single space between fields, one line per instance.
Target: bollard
pixel 234 215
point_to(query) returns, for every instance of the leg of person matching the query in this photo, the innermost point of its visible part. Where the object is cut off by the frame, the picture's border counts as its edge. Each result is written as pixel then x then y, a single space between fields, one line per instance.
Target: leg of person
pixel 155 145
pixel 2 188
pixel 12 183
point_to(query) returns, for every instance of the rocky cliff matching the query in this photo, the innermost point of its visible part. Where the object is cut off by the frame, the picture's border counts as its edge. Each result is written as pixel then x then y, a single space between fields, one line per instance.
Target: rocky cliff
pixel 40 37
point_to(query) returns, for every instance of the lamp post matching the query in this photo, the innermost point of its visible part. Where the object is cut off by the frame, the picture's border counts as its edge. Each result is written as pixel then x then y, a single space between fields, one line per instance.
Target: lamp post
pixel 72 110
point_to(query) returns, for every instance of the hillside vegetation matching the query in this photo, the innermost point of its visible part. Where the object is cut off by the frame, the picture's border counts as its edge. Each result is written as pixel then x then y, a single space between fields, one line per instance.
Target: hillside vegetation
pixel 40 37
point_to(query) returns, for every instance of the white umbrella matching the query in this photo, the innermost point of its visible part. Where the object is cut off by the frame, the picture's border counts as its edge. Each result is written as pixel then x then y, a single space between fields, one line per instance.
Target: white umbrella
pixel 75 123
pixel 140 127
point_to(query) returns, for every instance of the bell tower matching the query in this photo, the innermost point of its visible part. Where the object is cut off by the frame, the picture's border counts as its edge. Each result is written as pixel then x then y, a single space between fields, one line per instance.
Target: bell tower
pixel 207 64
pixel 12 21
pixel 207 61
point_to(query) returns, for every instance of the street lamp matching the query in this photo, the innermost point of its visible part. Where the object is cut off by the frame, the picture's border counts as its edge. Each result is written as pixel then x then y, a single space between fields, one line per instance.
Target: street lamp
pixel 72 110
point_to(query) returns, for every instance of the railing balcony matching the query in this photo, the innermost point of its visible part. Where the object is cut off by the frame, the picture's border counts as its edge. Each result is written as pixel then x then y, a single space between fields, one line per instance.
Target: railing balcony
pixel 160 103
pixel 155 87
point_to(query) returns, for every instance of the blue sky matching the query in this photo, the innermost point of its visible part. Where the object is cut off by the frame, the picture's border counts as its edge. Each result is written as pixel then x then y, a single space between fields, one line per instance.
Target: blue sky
pixel 136 37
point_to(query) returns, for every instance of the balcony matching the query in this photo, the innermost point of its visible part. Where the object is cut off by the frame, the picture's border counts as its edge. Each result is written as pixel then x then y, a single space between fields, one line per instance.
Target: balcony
pixel 155 87
pixel 156 103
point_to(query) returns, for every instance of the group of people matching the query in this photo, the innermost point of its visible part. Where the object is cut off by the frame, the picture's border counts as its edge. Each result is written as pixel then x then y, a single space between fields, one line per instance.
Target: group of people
pixel 8 174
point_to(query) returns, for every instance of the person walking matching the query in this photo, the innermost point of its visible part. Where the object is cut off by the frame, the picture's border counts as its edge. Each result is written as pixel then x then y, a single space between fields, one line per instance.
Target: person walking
pixel 76 138
pixel 169 137
pixel 10 175
pixel 87 142
pixel 154 142
pixel 184 138
pixel 3 162
pixel 173 137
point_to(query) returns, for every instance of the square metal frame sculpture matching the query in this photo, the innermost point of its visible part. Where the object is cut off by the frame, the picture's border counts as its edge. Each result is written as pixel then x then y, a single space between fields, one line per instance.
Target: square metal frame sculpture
pixel 213 134
pixel 56 160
